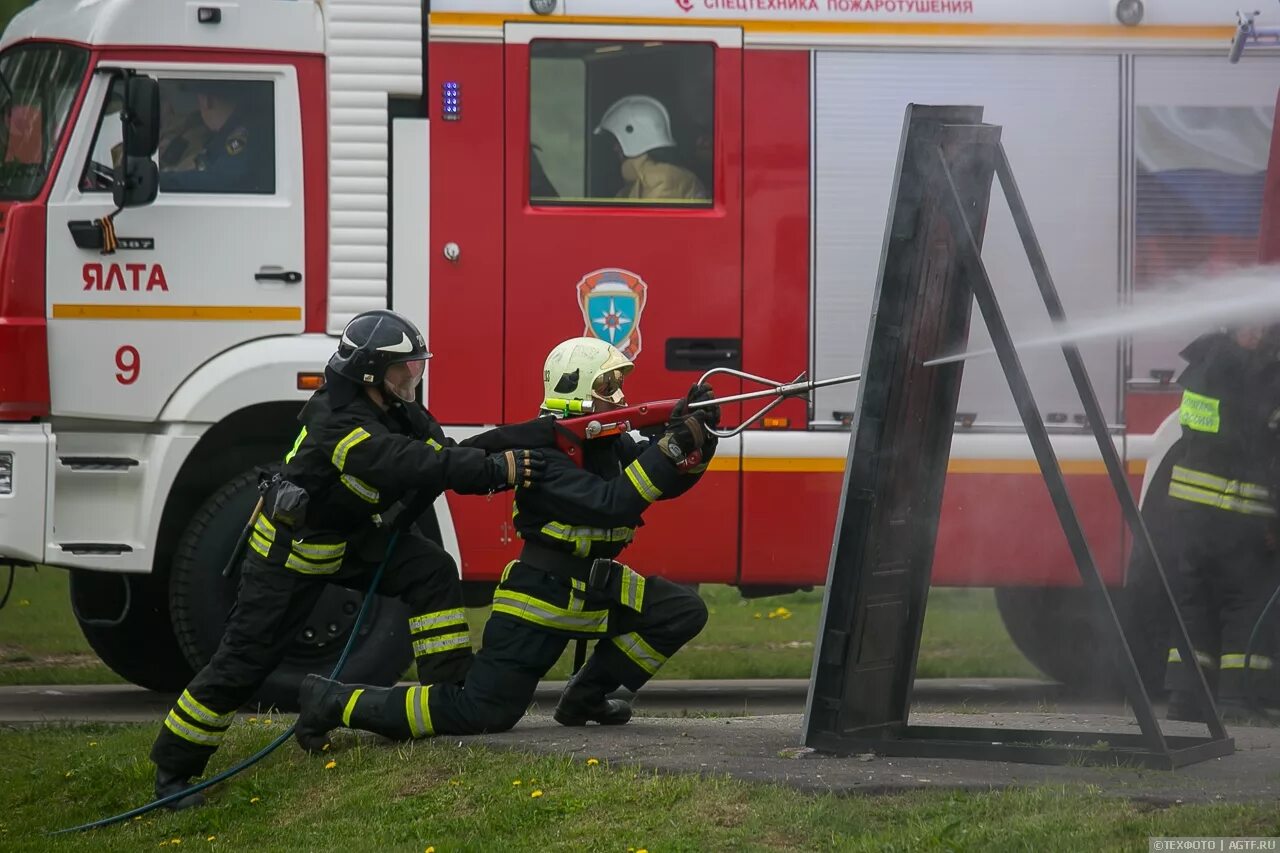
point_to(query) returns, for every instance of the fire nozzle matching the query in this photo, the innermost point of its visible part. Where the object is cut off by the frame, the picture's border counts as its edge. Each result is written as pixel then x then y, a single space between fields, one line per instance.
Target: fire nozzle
pixel 780 391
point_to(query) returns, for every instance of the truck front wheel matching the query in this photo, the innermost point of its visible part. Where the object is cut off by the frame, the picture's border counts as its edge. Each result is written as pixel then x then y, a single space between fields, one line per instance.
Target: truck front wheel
pixel 125 618
pixel 201 600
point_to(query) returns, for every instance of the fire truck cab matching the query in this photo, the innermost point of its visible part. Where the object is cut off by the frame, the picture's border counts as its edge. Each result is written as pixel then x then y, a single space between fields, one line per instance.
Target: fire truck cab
pixel 701 182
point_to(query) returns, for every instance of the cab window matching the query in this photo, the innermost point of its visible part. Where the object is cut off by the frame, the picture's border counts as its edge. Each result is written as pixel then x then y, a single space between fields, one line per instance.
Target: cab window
pixel 216 136
pixel 621 123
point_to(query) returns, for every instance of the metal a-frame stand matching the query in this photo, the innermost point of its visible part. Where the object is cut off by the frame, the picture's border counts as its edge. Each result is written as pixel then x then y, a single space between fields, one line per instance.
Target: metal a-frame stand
pixel 878 579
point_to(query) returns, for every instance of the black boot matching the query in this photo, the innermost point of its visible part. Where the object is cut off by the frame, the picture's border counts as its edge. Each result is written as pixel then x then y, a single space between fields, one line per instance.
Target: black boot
pixel 1184 706
pixel 584 701
pixel 320 703
pixel 169 783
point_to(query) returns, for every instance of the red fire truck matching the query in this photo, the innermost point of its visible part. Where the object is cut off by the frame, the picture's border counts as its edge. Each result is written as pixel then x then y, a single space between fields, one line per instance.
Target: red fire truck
pixel 449 160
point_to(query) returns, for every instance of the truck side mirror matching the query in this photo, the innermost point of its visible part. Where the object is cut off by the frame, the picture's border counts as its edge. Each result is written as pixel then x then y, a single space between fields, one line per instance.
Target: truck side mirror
pixel 136 182
pixel 140 118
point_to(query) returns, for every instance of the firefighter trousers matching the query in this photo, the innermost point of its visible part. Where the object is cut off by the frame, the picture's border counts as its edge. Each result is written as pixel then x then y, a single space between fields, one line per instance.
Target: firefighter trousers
pixel 1226 573
pixel 272 605
pixel 534 618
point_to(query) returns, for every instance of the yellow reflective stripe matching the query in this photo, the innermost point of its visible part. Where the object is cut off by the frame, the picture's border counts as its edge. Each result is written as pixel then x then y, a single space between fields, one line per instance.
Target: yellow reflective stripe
pixel 1204 658
pixel 293 452
pixel 184 730
pixel 442 643
pixel 577 595
pixel 351 706
pixel 194 708
pixel 1220 484
pixel 340 452
pixel 1237 662
pixel 636 474
pixel 582 537
pixel 434 445
pixel 507 571
pixel 1199 413
pixel 265 527
pixel 438 619
pixel 319 550
pixel 548 615
pixel 310 567
pixel 1194 494
pixel 417 711
pixel 632 589
pixel 262 546
pixel 361 488
pixel 641 653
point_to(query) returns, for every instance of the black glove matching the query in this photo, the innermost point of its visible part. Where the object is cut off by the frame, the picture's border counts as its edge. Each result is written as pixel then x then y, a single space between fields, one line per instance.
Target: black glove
pixel 710 415
pixel 516 467
pixel 684 438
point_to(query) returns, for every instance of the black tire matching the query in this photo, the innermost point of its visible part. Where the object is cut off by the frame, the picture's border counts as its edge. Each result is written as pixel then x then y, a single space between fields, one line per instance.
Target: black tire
pixel 1060 634
pixel 142 649
pixel 1064 637
pixel 200 599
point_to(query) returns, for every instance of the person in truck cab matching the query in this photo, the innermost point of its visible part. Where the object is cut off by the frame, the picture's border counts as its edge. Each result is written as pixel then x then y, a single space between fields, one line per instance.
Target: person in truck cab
pixel 641 130
pixel 367 450
pixel 567 583
pixel 238 153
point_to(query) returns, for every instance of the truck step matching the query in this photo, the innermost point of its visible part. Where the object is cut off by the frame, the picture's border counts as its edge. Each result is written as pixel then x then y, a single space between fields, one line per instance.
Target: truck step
pixel 98 463
pixel 95 547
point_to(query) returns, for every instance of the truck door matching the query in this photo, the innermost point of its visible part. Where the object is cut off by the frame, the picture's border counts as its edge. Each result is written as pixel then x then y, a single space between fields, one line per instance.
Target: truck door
pixel 623 149
pixel 215 261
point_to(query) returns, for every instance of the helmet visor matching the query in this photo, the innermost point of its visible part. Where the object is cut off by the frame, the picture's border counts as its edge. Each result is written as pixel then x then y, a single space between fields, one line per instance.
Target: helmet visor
pixel 403 377
pixel 608 387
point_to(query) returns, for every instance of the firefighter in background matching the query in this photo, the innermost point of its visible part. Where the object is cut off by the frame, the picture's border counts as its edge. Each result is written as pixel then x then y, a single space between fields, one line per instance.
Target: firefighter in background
pixel 1225 515
pixel 641 129
pixel 566 583
pixel 366 445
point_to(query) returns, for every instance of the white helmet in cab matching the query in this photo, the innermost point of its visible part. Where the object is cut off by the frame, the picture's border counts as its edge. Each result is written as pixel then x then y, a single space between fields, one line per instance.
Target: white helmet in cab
pixel 583 375
pixel 639 123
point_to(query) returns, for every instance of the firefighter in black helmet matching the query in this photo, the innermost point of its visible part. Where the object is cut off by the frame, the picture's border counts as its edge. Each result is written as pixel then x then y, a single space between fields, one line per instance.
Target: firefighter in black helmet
pixel 567 582
pixel 365 448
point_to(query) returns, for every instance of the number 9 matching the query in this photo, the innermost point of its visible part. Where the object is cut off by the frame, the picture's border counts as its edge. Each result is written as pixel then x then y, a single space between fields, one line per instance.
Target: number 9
pixel 129 362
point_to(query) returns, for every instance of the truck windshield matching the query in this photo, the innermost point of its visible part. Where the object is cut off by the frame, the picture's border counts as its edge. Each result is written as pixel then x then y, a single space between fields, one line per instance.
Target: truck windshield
pixel 38 85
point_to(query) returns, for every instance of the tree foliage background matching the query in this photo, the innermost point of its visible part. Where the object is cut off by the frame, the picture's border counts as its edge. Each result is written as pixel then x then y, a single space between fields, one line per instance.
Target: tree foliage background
pixel 9 8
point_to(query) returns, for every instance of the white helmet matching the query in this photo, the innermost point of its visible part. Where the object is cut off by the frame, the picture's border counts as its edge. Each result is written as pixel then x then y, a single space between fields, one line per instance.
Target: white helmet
pixel 639 123
pixel 581 370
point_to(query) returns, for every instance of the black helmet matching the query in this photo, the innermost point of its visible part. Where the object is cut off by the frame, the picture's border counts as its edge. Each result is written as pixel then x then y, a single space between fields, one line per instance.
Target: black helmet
pixel 374 340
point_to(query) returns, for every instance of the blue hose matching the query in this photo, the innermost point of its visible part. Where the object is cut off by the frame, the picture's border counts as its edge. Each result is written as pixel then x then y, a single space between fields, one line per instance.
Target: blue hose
pixel 269 748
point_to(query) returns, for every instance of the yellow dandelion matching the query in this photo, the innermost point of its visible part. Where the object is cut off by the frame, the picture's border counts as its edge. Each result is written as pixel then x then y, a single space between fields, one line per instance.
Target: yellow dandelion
pixel 253 719
pixel 176 841
pixel 536 794
pixel 267 721
pixel 516 782
pixel 331 765
pixel 163 844
pixel 93 743
pixel 255 799
pixel 429 850
pixel 211 837
pixel 592 762
pixel 643 850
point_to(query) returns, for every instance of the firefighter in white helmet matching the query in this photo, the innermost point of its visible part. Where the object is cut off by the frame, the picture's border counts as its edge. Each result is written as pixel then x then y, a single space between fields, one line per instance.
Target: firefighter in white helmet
pixel 567 583
pixel 641 129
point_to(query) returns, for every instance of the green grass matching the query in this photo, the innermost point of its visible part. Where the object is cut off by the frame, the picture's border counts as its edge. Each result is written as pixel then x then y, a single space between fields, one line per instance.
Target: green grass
pixel 40 642
pixel 380 796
